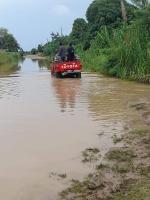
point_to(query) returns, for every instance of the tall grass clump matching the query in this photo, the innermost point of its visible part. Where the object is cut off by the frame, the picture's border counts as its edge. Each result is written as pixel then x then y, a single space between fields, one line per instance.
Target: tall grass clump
pixel 123 52
pixel 129 52
pixel 7 58
pixel 96 56
pixel 8 61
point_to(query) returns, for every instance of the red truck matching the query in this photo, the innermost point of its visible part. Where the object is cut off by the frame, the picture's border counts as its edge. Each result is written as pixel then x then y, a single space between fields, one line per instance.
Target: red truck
pixel 62 69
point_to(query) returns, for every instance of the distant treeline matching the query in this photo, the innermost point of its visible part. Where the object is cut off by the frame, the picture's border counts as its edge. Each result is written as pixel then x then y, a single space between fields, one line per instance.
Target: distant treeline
pixel 114 39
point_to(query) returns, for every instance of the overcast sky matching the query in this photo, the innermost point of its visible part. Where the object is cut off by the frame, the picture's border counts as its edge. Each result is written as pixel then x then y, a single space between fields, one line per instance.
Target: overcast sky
pixel 32 21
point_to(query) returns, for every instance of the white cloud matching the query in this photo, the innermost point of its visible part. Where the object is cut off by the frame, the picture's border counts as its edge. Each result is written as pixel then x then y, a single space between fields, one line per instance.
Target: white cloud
pixel 60 10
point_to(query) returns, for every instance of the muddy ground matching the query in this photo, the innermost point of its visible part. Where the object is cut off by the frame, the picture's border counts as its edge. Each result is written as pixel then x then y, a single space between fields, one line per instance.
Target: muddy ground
pixel 124 173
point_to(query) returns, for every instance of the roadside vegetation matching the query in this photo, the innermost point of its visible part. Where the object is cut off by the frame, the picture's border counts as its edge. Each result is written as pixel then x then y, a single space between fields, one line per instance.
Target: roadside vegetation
pixel 114 39
pixel 7 58
pixel 8 62
pixel 10 52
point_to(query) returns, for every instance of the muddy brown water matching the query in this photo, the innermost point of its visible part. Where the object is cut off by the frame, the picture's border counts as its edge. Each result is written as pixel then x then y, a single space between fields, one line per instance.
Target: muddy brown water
pixel 45 124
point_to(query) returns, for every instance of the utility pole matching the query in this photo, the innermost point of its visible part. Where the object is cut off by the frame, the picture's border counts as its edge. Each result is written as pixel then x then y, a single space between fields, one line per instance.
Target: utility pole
pixel 61 31
pixel 123 11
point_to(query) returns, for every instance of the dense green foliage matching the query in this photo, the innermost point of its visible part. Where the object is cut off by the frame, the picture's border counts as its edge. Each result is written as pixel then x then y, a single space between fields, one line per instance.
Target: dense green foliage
pixel 7 41
pixel 50 48
pixel 9 62
pixel 106 13
pixel 114 40
pixel 79 31
pixel 123 52
pixel 6 58
pixel 99 13
pixel 10 52
pixel 34 51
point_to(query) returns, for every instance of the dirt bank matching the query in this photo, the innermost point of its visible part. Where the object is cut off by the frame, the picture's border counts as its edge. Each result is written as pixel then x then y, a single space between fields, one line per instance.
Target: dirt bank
pixel 36 57
pixel 125 171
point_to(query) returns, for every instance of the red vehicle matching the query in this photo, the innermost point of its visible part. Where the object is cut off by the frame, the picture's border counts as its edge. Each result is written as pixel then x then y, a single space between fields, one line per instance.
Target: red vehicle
pixel 62 69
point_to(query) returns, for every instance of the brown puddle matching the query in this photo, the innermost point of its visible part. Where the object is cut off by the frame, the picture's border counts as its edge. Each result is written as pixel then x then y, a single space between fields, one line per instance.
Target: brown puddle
pixel 45 124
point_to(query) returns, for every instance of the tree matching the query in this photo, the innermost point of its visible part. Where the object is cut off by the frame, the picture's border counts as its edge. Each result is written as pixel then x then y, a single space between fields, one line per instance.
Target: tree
pixel 143 16
pixel 54 36
pixel 33 51
pixel 8 41
pixel 40 48
pixel 79 30
pixel 3 32
pixel 50 48
pixel 123 10
pixel 108 13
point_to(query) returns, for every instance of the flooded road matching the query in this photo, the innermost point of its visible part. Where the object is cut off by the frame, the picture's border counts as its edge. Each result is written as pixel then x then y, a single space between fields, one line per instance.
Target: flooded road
pixel 45 124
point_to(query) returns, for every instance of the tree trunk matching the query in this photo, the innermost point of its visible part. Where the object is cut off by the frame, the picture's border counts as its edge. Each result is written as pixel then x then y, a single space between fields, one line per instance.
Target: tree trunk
pixel 123 11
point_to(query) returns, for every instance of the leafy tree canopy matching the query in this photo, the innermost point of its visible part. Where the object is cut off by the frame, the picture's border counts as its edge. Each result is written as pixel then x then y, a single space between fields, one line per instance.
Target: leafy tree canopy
pixel 50 48
pixel 79 30
pixel 8 41
pixel 107 13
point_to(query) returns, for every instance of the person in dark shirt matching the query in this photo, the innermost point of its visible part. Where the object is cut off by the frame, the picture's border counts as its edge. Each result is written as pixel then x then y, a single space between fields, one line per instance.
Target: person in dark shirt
pixel 70 53
pixel 62 51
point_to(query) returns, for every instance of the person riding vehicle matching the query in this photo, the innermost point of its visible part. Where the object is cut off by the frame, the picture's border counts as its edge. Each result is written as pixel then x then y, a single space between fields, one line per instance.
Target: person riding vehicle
pixel 62 51
pixel 66 63
pixel 70 53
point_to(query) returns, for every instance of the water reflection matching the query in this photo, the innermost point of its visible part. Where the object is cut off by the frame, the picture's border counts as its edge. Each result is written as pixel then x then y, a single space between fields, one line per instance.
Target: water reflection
pixel 43 63
pixel 67 91
pixel 22 59
pixel 6 70
pixel 9 80
pixel 109 98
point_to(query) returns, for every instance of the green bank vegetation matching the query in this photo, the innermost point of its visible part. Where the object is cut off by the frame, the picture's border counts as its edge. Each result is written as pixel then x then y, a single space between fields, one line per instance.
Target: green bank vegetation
pixel 114 39
pixel 9 62
pixel 7 58
pixel 10 52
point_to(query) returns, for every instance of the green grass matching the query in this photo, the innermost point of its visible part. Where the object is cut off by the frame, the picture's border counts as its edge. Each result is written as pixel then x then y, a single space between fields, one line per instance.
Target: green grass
pixel 122 168
pixel 126 53
pixel 121 155
pixel 6 58
pixel 138 191
pixel 8 61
